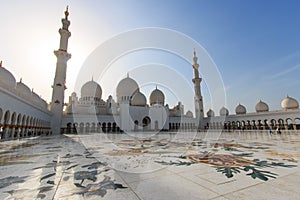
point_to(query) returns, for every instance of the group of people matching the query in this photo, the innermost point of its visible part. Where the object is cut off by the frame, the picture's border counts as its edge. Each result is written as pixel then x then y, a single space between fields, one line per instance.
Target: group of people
pixel 277 130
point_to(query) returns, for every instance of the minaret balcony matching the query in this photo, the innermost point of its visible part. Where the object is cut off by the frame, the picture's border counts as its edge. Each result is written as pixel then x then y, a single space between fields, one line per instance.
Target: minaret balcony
pixel 62 55
pixel 64 32
pixel 197 80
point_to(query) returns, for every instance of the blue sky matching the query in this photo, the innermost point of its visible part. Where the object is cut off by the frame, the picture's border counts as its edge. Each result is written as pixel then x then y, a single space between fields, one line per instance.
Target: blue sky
pixel 255 44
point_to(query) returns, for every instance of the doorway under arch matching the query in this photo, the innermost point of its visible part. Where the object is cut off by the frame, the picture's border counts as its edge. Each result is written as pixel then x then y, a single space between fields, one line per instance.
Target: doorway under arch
pixel 146 123
pixel 156 125
pixel 297 123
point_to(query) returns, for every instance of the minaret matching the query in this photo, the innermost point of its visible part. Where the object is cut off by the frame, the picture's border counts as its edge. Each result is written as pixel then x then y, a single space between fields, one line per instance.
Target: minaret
pixel 59 87
pixel 198 97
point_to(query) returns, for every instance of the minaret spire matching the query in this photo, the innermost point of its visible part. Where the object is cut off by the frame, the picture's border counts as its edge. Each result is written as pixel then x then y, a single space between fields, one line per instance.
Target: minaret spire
pixel 198 97
pixel 195 65
pixel 67 13
pixel 59 87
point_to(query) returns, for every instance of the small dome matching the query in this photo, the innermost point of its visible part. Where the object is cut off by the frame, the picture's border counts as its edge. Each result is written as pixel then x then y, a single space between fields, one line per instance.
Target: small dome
pixel 138 99
pixel 289 103
pixel 240 110
pixel 7 78
pixel 224 111
pixel 35 97
pixel 210 113
pixel 73 94
pixel 43 103
pixel 23 89
pixel 91 89
pixel 126 88
pixel 261 107
pixel 189 114
pixel 157 97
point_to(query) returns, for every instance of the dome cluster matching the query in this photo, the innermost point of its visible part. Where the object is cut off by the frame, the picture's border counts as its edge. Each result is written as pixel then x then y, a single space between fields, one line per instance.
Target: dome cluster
pixel 288 103
pixel 8 81
pixel 127 90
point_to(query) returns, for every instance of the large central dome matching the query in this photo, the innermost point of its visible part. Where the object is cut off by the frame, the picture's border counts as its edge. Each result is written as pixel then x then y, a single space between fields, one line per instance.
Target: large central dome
pixel 126 88
pixel 91 89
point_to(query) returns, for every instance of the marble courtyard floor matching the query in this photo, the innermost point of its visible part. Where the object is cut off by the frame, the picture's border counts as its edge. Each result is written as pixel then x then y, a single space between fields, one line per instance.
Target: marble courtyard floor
pixel 181 165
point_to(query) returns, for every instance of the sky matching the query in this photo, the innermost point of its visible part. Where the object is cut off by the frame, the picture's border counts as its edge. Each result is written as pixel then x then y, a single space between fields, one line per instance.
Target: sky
pixel 255 45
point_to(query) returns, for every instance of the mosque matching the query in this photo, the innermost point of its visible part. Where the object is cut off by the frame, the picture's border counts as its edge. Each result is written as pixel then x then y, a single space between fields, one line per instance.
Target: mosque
pixel 23 113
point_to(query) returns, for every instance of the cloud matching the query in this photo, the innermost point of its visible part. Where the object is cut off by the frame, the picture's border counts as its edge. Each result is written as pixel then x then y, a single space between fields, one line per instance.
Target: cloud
pixel 284 72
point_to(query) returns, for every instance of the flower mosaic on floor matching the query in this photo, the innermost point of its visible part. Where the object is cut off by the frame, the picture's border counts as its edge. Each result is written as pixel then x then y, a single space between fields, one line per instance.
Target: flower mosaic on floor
pixel 89 168
pixel 85 176
pixel 99 188
pixel 7 181
pixel 88 178
pixel 231 161
pixel 232 164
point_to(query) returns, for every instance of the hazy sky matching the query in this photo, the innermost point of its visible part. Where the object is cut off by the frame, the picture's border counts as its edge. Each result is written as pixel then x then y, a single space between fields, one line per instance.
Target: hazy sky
pixel 254 44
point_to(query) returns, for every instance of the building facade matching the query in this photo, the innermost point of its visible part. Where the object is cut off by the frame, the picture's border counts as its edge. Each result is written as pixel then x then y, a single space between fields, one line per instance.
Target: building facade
pixel 129 112
pixel 24 113
pixel 286 119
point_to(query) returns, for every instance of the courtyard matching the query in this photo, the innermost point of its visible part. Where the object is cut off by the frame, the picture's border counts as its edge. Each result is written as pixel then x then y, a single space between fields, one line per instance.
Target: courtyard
pixel 175 165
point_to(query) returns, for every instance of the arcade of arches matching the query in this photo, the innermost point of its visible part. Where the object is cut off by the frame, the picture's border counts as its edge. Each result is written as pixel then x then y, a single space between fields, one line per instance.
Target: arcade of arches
pixel 112 127
pixel 273 124
pixel 17 125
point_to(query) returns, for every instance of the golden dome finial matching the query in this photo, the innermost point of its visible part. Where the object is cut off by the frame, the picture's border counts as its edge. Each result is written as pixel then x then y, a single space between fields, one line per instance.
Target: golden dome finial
pixel 67 12
pixel 194 52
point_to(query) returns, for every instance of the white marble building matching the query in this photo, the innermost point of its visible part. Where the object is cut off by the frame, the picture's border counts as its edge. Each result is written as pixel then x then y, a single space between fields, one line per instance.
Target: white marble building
pixel 24 113
pixel 130 112
pixel 286 119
